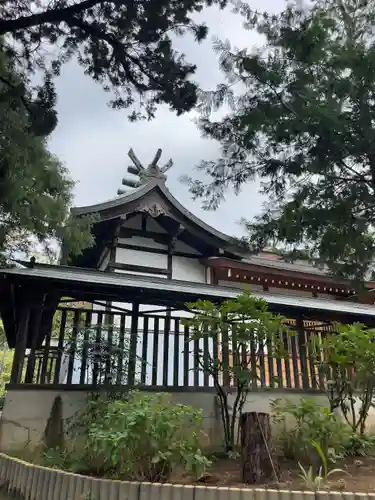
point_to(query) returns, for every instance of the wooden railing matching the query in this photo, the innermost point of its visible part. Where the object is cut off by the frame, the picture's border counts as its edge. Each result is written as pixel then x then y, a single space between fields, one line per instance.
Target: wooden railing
pixel 93 348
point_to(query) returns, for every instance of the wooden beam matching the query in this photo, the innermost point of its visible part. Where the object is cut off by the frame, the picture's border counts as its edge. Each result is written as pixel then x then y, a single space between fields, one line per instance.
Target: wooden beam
pixel 140 269
pixel 170 260
pixel 160 251
pixel 129 232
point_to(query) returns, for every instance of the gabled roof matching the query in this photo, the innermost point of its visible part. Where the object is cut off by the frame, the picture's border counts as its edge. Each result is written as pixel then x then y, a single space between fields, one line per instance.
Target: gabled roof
pixel 155 193
pixel 154 186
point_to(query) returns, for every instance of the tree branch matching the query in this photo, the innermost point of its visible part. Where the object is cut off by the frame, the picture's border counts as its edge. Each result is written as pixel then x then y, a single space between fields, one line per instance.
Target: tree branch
pixel 53 16
pixel 117 47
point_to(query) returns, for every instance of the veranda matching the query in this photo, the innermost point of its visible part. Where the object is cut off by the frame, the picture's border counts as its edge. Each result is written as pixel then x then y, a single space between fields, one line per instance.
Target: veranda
pixel 108 345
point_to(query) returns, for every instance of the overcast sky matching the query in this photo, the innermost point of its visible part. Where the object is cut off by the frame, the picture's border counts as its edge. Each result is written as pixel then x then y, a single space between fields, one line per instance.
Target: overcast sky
pixel 93 140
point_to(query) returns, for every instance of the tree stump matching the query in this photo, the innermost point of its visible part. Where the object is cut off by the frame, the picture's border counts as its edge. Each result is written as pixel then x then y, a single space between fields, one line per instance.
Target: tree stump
pixel 258 466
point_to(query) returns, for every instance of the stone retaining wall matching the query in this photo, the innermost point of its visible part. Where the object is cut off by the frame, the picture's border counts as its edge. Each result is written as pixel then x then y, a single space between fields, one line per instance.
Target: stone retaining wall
pixel 30 482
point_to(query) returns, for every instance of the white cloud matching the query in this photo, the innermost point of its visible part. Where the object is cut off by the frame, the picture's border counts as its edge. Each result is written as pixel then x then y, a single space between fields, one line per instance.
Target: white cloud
pixel 93 140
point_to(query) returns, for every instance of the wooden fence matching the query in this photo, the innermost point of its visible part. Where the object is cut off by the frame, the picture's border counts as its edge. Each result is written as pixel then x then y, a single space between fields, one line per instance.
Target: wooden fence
pixel 93 348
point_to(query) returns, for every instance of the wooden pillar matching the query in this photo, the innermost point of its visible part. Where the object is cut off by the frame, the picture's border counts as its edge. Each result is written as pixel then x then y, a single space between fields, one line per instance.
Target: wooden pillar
pixel 21 342
pixel 35 335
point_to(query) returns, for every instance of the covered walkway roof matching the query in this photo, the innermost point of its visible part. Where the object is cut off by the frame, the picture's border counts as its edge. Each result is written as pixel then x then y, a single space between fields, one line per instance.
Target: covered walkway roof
pixel 82 284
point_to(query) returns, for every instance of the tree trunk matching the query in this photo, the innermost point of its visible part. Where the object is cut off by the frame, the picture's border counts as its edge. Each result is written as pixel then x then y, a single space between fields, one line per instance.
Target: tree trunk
pixel 256 448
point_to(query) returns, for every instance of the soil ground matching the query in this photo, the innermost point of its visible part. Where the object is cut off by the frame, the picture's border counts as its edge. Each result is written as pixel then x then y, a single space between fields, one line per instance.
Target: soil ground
pixel 359 476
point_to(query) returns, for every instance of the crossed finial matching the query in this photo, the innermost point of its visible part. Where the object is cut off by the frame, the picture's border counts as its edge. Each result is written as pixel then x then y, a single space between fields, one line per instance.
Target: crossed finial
pixel 153 171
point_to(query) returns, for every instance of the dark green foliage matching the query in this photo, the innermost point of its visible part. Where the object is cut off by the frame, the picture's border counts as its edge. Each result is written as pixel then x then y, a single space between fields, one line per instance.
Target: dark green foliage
pixel 303 422
pixel 141 437
pixel 303 126
pixel 346 360
pixel 125 45
pixel 359 445
pixel 35 189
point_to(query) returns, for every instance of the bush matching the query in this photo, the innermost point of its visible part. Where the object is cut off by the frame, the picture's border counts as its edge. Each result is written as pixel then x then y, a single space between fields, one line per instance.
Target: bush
pixel 346 360
pixel 300 423
pixel 142 438
pixel 359 445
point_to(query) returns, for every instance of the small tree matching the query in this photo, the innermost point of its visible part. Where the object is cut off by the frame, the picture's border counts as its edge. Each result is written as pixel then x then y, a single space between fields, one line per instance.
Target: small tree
pixel 346 361
pixel 244 328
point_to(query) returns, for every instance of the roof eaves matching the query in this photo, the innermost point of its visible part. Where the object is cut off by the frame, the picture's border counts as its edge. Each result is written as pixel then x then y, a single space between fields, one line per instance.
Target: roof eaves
pixel 192 288
pixel 143 191
pixel 122 199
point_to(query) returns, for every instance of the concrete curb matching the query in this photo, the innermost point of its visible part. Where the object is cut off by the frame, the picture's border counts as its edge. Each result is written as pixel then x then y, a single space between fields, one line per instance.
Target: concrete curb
pixel 32 482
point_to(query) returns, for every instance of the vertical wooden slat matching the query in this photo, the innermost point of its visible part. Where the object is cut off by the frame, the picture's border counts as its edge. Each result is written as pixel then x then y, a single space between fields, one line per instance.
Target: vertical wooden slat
pixel 133 343
pixel 253 363
pixel 288 382
pixel 186 355
pixel 82 377
pixel 144 350
pixel 196 365
pixel 322 382
pixel 167 329
pixel 97 349
pixel 262 371
pixel 38 370
pixel 293 342
pixel 206 354
pixel 312 381
pixel 109 349
pixel 176 352
pixel 234 358
pixel 301 342
pixel 60 347
pixel 46 353
pixel 271 374
pixel 225 354
pixel 155 350
pixel 121 347
pixel 279 367
pixel 215 347
pixel 50 369
pixel 72 350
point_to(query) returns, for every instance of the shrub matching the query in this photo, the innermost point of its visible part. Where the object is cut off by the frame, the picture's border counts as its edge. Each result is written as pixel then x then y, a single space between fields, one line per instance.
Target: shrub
pixel 141 438
pixel 303 423
pixel 346 360
pixel 359 445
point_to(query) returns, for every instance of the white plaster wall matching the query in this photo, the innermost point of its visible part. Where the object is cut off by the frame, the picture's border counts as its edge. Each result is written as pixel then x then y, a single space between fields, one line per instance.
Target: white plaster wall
pixel 142 242
pixel 141 258
pixel 187 269
pixel 183 247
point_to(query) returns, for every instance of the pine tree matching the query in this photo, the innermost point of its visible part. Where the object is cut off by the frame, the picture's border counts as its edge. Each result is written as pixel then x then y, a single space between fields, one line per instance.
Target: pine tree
pixel 124 45
pixel 305 126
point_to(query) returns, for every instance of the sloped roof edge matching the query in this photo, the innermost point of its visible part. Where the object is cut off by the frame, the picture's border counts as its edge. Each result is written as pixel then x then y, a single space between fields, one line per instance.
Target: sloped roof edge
pixel 142 191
